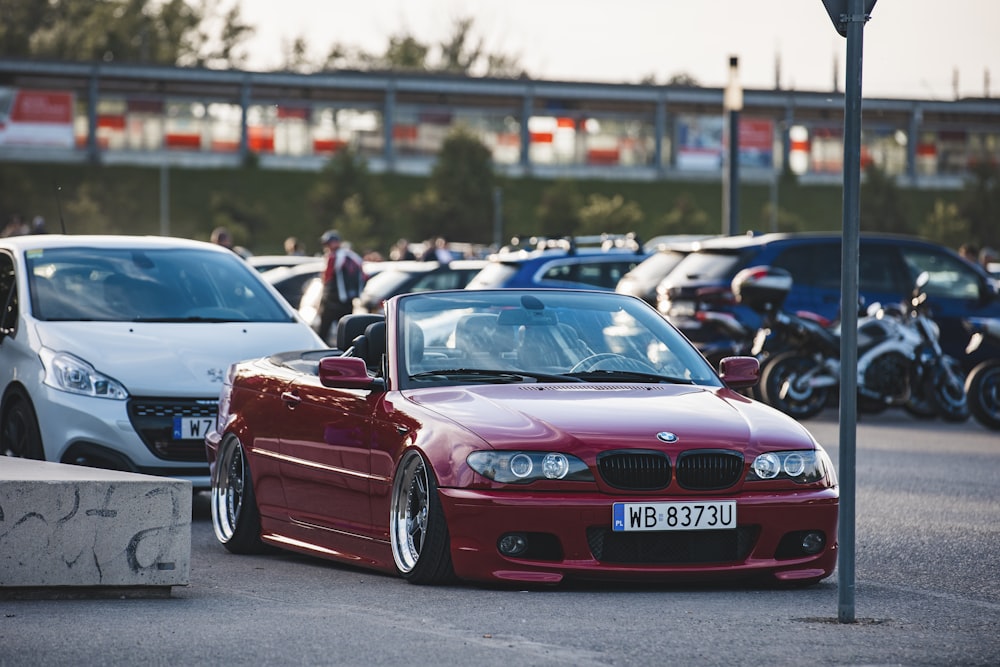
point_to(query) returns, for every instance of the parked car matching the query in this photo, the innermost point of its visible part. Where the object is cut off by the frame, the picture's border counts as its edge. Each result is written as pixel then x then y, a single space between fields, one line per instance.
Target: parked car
pixel 888 266
pixel 519 436
pixel 267 262
pixel 404 277
pixel 292 281
pixel 585 262
pixel 113 348
pixel 642 280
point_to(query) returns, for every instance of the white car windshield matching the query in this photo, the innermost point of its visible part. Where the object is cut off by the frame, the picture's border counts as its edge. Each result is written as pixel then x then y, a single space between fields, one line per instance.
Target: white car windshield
pixel 154 285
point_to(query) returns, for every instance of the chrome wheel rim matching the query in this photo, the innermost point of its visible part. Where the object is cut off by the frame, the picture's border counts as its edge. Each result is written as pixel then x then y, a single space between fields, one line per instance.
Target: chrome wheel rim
pixel 227 491
pixel 410 505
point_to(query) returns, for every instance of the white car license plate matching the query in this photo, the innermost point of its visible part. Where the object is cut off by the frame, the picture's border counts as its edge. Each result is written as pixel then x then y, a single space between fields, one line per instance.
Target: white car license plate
pixel 718 515
pixel 192 428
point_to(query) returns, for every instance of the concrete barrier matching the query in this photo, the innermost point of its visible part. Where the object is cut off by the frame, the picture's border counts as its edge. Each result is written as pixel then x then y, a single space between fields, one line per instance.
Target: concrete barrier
pixel 86 528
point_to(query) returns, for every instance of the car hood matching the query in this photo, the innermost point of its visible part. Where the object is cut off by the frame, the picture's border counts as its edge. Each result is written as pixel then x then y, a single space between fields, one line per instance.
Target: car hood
pixel 625 415
pixel 155 359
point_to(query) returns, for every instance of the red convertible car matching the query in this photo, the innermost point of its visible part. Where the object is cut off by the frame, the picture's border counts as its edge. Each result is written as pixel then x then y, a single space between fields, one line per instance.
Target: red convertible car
pixel 520 436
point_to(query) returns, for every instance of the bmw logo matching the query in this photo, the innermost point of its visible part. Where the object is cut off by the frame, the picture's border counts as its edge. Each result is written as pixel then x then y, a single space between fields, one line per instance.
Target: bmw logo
pixel 666 436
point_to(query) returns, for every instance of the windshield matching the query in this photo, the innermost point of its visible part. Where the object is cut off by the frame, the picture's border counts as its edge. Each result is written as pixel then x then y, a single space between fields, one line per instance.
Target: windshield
pixel 155 285
pixel 541 335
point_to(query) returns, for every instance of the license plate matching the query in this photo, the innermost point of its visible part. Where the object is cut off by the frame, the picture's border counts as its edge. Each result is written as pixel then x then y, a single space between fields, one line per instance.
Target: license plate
pixel 719 515
pixel 192 428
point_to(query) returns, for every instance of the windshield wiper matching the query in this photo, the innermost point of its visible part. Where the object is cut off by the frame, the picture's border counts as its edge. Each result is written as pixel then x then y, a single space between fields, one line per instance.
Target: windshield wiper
pixel 191 318
pixel 493 375
pixel 617 376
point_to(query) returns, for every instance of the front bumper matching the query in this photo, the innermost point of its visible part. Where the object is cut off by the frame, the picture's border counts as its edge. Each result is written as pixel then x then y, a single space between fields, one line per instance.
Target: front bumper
pixel 578 543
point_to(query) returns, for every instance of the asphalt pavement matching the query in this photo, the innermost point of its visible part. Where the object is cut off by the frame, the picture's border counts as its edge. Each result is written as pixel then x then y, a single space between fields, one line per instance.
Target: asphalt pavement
pixel 927 575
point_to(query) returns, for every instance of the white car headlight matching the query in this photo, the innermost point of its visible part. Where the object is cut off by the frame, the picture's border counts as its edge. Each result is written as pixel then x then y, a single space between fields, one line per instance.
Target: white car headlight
pixel 520 467
pixel 802 467
pixel 68 373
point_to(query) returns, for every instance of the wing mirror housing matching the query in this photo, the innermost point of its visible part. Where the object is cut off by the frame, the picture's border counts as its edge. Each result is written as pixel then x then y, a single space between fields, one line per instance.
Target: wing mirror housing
pixel 739 372
pixel 346 373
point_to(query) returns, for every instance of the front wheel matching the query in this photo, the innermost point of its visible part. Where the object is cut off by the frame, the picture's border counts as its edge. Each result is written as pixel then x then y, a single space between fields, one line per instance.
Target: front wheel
pixel 786 386
pixel 948 391
pixel 982 388
pixel 21 436
pixel 235 516
pixel 421 547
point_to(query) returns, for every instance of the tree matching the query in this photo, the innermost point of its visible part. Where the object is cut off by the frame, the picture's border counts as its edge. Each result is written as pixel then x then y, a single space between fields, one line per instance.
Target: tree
pixel 459 53
pixel 169 32
pixel 882 205
pixel 559 210
pixel 346 194
pixel 458 202
pixel 686 218
pixel 612 215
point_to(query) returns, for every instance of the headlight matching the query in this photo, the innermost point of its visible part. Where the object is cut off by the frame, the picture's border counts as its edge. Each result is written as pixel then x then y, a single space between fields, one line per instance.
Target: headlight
pixel 523 467
pixel 801 467
pixel 68 373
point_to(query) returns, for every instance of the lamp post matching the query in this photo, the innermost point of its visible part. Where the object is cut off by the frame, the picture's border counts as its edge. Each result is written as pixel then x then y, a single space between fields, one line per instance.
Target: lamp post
pixel 732 104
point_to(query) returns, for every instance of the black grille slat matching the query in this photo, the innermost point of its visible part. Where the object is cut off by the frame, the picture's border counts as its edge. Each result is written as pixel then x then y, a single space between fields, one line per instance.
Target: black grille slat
pixel 671 547
pixel 635 470
pixel 153 420
pixel 709 470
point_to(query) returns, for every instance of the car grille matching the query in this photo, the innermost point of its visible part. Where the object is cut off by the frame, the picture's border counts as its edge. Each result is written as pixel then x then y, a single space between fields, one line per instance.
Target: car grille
pixel 671 547
pixel 153 420
pixel 635 470
pixel 709 470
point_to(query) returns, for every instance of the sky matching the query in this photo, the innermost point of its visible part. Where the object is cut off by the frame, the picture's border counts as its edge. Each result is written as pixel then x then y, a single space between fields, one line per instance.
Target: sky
pixel 922 49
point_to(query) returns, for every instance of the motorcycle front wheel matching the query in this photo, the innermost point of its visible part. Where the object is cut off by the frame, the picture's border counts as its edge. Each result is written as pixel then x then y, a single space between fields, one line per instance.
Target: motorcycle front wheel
pixel 982 389
pixel 948 391
pixel 784 387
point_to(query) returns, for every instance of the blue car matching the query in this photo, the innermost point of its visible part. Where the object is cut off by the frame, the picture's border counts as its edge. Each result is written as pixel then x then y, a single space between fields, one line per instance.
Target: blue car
pixel 888 266
pixel 582 262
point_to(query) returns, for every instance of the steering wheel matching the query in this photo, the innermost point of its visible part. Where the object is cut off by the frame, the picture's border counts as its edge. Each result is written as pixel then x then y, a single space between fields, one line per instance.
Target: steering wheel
pixel 616 362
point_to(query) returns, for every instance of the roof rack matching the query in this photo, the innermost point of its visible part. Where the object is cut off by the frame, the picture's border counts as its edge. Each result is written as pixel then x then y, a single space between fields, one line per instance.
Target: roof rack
pixel 571 244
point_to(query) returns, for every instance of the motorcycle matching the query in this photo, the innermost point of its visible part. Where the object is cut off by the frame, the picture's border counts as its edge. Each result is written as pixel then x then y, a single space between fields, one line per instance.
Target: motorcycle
pixel 900 363
pixel 982 385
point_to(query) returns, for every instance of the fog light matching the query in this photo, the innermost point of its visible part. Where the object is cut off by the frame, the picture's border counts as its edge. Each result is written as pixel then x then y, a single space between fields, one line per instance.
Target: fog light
pixel 513 544
pixel 813 542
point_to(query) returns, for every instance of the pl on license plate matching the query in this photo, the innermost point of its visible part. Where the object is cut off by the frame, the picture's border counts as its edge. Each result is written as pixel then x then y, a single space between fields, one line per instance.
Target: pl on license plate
pixel 192 428
pixel 718 515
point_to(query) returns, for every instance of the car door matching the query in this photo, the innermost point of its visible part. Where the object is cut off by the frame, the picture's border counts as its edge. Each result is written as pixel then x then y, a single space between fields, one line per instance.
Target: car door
pixel 956 291
pixel 325 458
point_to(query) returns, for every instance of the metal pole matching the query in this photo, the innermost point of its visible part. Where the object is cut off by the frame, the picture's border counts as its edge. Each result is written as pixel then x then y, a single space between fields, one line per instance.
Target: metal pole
pixel 732 102
pixel 164 199
pixel 498 217
pixel 855 20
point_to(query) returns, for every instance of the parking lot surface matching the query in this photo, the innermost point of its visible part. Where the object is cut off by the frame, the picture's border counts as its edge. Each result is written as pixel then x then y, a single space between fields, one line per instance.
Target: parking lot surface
pixel 927 572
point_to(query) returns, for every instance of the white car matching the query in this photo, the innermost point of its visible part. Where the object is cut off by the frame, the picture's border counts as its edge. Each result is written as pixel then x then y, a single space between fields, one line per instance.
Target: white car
pixel 113 349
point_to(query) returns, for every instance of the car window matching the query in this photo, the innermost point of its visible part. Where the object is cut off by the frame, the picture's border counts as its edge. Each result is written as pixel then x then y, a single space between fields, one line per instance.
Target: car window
pixel 494 274
pixel 8 295
pixel 950 277
pixel 812 264
pixel 705 265
pixel 436 280
pixel 115 285
pixel 655 267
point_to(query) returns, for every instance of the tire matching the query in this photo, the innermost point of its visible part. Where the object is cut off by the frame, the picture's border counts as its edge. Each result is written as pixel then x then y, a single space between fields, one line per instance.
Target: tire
pixel 949 392
pixel 19 434
pixel 779 389
pixel 235 516
pixel 418 531
pixel 982 389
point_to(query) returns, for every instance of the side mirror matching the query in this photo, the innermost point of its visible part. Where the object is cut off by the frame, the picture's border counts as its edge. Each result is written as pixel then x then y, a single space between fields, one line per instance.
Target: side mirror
pixel 739 372
pixel 346 373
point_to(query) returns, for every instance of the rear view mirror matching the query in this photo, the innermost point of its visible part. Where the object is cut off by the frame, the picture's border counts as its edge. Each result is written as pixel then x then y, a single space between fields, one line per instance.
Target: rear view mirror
pixel 520 316
pixel 346 372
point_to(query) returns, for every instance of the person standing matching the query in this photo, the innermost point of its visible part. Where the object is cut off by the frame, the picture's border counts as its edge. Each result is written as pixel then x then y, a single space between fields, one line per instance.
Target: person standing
pixel 343 279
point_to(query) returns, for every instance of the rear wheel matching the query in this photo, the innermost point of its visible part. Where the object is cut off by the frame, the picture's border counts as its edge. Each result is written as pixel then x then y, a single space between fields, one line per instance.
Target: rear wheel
pixel 21 436
pixel 235 516
pixel 784 386
pixel 421 547
pixel 982 388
